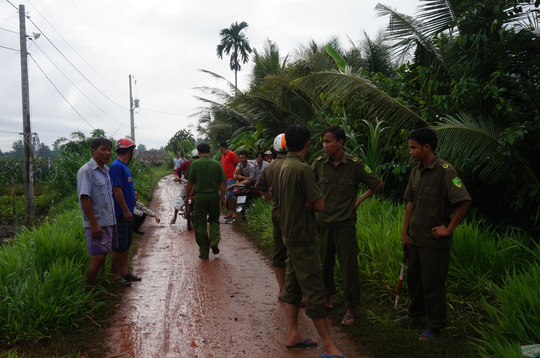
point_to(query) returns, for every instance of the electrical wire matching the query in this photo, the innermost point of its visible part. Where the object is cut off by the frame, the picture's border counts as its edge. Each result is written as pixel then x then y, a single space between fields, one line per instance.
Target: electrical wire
pixel 89 65
pixel 57 90
pixel 9 48
pixel 15 32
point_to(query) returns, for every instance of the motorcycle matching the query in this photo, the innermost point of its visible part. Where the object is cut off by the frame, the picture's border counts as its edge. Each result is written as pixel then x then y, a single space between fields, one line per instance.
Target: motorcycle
pixel 244 198
pixel 188 210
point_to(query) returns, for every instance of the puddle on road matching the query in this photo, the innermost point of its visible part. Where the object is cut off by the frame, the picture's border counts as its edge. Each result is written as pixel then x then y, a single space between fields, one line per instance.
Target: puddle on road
pixel 187 307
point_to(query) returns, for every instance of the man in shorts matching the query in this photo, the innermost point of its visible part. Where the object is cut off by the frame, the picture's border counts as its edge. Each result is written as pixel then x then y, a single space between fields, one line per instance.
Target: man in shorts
pixel 94 189
pixel 124 206
pixel 300 235
pixel 229 161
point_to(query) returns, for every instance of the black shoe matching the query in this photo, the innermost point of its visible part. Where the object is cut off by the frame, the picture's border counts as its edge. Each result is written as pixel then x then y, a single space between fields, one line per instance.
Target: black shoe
pixel 138 232
pixel 215 249
pixel 203 257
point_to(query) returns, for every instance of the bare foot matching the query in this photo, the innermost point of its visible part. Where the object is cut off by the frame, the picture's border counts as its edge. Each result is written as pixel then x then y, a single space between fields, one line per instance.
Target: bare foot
pixel 299 342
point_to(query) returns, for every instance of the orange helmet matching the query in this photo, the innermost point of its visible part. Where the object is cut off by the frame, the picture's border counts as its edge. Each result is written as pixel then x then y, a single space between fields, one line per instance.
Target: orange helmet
pixel 124 143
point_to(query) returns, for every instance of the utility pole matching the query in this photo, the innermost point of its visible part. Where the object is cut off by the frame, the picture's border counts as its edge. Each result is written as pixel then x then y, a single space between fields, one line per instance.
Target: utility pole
pixel 131 112
pixel 27 132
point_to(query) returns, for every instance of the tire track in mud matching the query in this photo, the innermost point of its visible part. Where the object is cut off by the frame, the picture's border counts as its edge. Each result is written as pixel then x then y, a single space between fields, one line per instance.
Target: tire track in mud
pixel 187 307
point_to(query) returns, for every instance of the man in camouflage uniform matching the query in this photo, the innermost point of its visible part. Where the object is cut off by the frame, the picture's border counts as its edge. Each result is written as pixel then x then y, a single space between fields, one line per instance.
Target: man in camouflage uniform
pixel 339 175
pixel 433 192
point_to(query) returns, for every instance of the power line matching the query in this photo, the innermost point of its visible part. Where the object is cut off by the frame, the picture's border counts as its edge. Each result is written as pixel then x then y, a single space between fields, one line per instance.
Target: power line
pixel 9 48
pixel 16 8
pixel 154 110
pixel 89 65
pixel 57 90
pixel 68 79
pixel 15 32
pixel 90 82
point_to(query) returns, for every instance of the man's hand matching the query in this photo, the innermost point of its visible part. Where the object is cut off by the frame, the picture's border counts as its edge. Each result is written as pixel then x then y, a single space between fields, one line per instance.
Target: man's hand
pixel 128 216
pixel 440 232
pixel 405 241
pixel 309 205
pixel 223 203
pixel 97 231
pixel 157 219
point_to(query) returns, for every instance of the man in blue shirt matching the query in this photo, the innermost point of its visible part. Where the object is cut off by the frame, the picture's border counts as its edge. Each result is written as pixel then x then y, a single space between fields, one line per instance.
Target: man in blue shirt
pixel 124 205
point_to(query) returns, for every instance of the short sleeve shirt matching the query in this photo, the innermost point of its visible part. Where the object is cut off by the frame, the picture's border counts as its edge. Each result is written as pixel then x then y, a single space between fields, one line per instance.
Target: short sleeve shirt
pixel 121 176
pixel 434 190
pixel 268 182
pixel 339 186
pixel 248 170
pixel 229 161
pixel 296 186
pixel 206 174
pixel 96 184
pixel 177 162
pixel 259 170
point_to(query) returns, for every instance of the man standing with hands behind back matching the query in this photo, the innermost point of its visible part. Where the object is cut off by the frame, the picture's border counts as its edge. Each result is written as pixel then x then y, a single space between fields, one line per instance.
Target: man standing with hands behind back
pixel 124 205
pixel 433 192
pixel 339 175
pixel 299 197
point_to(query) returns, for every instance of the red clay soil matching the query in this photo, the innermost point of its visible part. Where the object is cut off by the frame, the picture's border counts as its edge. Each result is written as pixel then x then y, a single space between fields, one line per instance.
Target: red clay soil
pixel 187 307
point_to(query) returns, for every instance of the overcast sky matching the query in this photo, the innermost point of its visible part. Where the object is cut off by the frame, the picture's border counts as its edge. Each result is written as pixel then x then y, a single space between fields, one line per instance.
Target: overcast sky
pixel 88 49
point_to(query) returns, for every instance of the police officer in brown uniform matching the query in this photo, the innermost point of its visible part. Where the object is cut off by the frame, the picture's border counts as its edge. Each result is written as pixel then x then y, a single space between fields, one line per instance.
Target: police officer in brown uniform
pixel 299 198
pixel 433 192
pixel 268 187
pixel 339 175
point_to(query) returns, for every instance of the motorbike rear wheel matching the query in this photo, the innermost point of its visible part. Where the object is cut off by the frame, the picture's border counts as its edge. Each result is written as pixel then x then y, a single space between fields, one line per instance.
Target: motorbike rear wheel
pixel 189 216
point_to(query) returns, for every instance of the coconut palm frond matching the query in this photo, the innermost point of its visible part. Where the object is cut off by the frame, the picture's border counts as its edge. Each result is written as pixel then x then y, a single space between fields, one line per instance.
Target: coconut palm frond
pixel 356 92
pixel 436 15
pixel 472 144
pixel 404 29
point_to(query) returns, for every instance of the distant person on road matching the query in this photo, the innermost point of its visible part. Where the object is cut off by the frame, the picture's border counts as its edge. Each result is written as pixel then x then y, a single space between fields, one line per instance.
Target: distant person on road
pixel 433 192
pixel 179 201
pixel 299 199
pixel 268 156
pixel 339 176
pixel 140 212
pixel 124 206
pixel 268 186
pixel 229 161
pixel 207 177
pixel 176 164
pixel 94 189
pixel 259 164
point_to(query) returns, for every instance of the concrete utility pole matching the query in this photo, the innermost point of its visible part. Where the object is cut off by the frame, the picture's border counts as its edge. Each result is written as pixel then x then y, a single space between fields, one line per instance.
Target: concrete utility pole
pixel 131 112
pixel 27 132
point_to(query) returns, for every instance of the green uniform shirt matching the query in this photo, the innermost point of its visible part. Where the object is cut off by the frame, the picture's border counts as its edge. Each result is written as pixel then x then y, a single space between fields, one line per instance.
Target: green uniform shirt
pixel 268 181
pixel 339 186
pixel 434 191
pixel 206 174
pixel 296 186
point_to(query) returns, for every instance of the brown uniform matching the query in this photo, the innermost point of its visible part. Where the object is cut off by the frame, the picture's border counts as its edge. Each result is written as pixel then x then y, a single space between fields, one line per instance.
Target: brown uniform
pixel 339 186
pixel 434 190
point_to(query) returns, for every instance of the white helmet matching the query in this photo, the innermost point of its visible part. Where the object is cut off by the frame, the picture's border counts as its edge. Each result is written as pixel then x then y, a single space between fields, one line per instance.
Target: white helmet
pixel 279 143
pixel 195 153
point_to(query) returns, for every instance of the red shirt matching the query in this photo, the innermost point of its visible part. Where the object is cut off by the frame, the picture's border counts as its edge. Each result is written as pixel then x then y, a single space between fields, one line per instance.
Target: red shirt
pixel 229 161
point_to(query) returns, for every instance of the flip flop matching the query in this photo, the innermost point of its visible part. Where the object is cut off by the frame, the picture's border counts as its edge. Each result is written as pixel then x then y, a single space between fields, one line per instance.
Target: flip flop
pixel 347 318
pixel 428 334
pixel 304 344
pixel 122 281
pixel 342 355
pixel 132 277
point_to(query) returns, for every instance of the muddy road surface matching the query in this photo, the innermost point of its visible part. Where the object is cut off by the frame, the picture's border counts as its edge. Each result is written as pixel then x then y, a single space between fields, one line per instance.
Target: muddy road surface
pixel 226 306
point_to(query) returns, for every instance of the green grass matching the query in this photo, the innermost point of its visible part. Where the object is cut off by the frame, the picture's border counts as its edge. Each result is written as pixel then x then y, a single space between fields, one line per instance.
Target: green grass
pixel 493 296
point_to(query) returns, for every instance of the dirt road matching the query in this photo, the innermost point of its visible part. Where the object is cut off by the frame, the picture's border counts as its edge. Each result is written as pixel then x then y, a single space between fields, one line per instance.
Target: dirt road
pixel 187 307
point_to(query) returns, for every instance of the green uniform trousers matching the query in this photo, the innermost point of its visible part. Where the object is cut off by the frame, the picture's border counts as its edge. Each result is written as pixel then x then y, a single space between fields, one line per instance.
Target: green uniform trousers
pixel 206 207
pixel 426 281
pixel 303 278
pixel 279 255
pixel 340 240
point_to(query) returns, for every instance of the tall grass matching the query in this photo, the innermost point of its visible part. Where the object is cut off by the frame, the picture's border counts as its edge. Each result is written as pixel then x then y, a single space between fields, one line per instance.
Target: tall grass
pixel 42 280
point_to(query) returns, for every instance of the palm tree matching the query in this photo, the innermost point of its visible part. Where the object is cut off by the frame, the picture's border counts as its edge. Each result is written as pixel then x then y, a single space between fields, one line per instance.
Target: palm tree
pixel 235 43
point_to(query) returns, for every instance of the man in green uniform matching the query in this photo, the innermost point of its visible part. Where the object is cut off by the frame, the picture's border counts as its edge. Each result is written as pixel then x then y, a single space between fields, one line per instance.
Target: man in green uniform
pixel 208 178
pixel 339 175
pixel 433 192
pixel 300 236
pixel 268 186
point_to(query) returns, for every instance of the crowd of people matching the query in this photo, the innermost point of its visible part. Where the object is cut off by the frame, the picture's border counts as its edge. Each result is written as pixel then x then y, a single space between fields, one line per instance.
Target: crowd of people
pixel 313 216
